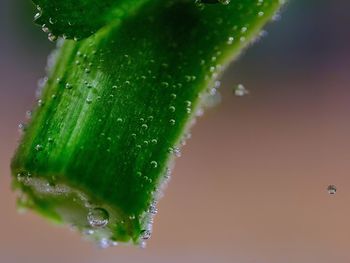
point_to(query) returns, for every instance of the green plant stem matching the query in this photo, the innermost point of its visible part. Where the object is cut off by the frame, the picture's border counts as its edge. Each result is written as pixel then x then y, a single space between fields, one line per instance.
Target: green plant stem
pixel 116 107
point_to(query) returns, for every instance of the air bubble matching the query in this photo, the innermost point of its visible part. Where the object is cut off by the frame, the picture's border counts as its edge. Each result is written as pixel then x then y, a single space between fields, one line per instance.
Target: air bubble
pixel 104 243
pixel 153 209
pixel 172 109
pixel 230 40
pixel 146 234
pixel 165 84
pixel 39 147
pixel 37 15
pixel 52 37
pixel 154 164
pixel 177 151
pixel 223 2
pixel 23 177
pixel 242 39
pixel 332 189
pixel 45 29
pixel 240 90
pixel 22 127
pixel 89 232
pixel 28 114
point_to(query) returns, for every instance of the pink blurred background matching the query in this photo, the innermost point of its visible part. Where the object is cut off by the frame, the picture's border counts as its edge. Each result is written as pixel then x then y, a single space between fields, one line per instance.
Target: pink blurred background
pixel 251 185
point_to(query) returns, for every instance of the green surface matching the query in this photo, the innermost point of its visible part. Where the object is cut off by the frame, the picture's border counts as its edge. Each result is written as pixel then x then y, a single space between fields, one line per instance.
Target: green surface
pixel 117 105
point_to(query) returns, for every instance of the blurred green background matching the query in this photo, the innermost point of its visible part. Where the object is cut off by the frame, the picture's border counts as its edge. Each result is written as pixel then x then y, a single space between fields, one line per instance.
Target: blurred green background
pixel 251 185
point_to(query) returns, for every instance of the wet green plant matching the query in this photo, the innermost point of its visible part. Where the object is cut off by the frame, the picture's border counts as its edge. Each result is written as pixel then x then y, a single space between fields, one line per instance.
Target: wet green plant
pixel 124 86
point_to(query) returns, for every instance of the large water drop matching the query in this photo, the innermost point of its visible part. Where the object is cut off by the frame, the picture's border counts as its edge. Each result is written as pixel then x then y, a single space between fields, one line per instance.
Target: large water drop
pixel 98 217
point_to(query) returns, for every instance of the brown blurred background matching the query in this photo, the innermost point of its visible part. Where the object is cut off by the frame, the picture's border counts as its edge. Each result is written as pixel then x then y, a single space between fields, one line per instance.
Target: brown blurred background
pixel 251 185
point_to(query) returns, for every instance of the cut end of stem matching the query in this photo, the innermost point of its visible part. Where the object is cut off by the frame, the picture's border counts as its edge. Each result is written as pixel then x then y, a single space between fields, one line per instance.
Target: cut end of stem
pixel 98 221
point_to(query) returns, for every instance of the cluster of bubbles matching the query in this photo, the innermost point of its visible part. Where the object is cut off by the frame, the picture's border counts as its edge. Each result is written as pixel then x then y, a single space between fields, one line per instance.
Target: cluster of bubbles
pixel 42 186
pixel 46 27
pixel 200 3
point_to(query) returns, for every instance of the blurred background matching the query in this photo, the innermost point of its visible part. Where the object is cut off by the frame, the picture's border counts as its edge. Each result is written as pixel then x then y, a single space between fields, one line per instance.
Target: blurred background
pixel 251 186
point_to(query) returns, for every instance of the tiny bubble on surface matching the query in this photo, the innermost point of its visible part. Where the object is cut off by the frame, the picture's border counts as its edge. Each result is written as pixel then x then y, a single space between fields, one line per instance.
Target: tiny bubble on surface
pixel 39 147
pixel 154 164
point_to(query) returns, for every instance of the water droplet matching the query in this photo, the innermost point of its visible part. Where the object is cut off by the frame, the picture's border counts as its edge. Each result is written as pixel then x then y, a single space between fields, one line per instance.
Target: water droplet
pixel 332 189
pixel 45 29
pixel 146 234
pixel 37 15
pixel 88 232
pixel 22 127
pixel 177 151
pixel 165 84
pixel 276 17
pixel 230 40
pixel 242 39
pixel 52 37
pixel 104 243
pixel 240 90
pixel 172 122
pixel 28 114
pixel 52 20
pixel 153 209
pixel 224 2
pixel 24 177
pixel 39 147
pixel 172 109
pixel 154 164
pixel 98 217
pixel 114 243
